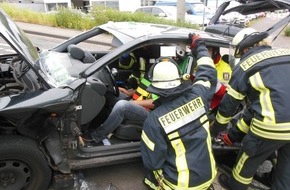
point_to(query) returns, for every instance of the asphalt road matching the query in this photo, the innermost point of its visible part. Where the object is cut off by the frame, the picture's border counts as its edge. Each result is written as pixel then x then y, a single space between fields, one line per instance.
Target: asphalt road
pixel 277 39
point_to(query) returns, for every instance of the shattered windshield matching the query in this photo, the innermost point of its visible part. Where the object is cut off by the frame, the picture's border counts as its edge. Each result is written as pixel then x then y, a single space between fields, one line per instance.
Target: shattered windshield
pixel 54 70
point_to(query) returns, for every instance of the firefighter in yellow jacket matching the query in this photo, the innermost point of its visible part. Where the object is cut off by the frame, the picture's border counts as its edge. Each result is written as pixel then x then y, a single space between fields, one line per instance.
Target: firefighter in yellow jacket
pixel 176 143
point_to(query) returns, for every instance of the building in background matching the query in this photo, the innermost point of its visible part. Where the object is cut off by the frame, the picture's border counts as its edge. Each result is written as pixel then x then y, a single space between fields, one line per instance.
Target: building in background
pixel 40 5
pixel 121 5
pixel 52 5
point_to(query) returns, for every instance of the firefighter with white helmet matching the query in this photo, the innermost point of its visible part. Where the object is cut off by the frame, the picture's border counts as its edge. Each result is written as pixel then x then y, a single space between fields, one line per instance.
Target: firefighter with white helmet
pixel 238 131
pixel 259 78
pixel 176 135
pixel 170 78
pixel 238 38
pixel 235 56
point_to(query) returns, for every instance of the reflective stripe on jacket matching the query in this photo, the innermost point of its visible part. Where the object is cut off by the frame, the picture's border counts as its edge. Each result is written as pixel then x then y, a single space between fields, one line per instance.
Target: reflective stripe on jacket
pixel 140 73
pixel 141 93
pixel 176 143
pixel 262 76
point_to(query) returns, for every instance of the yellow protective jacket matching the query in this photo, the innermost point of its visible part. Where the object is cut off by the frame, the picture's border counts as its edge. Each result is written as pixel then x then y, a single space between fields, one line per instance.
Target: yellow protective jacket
pixel 224 71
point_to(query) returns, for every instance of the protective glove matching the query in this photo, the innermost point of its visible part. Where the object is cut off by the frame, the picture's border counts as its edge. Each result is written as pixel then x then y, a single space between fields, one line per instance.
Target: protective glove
pixel 216 128
pixel 227 139
pixel 196 41
pixel 232 137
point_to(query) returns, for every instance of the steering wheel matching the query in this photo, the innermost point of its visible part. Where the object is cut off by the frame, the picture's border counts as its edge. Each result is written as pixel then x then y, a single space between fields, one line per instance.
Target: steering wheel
pixel 113 85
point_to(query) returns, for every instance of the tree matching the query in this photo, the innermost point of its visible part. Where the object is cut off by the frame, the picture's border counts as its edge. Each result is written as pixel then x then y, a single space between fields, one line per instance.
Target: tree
pixel 181 10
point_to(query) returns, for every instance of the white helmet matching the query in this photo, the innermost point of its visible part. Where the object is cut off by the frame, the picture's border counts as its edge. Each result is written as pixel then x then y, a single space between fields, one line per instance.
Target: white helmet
pixel 165 75
pixel 239 37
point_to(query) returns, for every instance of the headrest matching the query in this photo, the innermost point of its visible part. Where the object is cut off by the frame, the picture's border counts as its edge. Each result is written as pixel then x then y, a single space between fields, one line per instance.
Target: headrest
pixel 76 52
pixel 89 58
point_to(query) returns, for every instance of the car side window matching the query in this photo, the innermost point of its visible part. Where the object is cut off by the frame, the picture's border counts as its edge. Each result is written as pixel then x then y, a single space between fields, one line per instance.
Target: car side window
pixel 146 10
pixel 157 11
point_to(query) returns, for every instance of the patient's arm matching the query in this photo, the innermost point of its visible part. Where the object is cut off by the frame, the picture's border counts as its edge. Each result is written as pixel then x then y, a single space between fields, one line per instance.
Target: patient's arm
pixel 145 103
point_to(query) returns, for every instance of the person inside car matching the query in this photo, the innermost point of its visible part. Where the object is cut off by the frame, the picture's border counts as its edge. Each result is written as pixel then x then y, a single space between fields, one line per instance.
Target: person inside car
pixel 139 62
pixel 128 61
pixel 176 146
pixel 136 109
pixel 140 103
pixel 136 63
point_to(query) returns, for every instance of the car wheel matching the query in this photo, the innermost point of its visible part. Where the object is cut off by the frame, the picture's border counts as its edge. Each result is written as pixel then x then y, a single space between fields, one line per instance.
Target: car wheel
pixel 22 164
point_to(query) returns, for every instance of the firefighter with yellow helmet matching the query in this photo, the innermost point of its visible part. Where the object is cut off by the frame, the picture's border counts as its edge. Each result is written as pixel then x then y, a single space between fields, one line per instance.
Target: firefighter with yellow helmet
pixel 176 143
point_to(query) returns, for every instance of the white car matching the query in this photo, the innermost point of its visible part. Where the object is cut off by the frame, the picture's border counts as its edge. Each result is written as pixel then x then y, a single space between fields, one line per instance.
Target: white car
pixel 235 18
pixel 170 12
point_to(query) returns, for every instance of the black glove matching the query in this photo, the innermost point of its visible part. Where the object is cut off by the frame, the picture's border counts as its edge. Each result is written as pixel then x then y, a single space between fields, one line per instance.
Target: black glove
pixel 216 128
pixel 196 41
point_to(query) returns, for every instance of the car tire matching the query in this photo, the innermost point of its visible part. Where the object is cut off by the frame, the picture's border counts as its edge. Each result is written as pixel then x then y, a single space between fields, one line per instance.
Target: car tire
pixel 22 164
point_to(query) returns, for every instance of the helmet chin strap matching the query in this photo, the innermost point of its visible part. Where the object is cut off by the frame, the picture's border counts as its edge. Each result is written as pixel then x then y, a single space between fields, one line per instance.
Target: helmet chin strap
pixel 183 77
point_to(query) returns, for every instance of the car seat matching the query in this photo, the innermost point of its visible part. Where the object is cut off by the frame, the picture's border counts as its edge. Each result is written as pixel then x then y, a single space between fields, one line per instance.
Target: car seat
pixel 129 130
